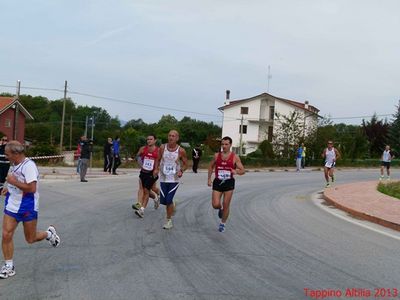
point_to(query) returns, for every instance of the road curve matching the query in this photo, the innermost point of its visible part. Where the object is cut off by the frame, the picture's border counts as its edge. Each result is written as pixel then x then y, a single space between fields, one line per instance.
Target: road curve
pixel 277 244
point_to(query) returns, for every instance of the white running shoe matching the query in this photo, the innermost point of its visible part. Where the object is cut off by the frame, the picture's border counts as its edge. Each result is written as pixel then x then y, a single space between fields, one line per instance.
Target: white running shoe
pixel 156 201
pixel 139 213
pixel 54 239
pixel 7 271
pixel 168 225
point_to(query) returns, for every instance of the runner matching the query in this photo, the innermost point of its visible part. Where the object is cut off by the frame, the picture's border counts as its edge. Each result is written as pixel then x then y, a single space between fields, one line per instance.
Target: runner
pixel 226 164
pixel 387 157
pixel 171 163
pixel 146 158
pixel 21 205
pixel 330 154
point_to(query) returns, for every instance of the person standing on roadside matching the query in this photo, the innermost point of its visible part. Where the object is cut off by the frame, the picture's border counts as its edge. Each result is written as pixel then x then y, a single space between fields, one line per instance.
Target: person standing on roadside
pixel 107 154
pixel 116 157
pixel 21 205
pixel 387 157
pixel 303 156
pixel 4 162
pixel 196 155
pixel 299 156
pixel 226 164
pixel 171 163
pixel 86 149
pixel 146 158
pixel 330 155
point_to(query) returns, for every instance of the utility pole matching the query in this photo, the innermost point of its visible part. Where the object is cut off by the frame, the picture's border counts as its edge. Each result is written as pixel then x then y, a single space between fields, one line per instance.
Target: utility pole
pixel 86 126
pixel 91 152
pixel 70 134
pixel 241 137
pixel 17 110
pixel 63 117
pixel 269 77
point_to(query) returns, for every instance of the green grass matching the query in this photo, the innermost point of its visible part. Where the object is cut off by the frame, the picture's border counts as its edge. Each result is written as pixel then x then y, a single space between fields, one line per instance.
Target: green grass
pixel 391 188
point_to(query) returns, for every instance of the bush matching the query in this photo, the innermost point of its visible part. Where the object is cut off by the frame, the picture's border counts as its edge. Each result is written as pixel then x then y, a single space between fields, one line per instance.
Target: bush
pixel 42 150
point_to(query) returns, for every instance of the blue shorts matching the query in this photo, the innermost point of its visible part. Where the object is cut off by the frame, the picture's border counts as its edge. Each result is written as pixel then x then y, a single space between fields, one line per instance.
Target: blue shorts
pixel 23 216
pixel 167 192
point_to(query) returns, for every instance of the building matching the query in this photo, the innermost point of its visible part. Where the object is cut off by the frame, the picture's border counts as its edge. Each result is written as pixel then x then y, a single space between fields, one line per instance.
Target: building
pixel 12 118
pixel 256 116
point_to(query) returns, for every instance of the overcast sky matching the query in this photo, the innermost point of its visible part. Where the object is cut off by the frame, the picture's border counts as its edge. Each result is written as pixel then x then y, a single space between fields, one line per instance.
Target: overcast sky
pixel 342 56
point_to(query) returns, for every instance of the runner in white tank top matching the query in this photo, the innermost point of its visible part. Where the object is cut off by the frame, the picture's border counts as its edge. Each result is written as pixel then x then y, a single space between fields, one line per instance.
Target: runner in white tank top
pixel 330 154
pixel 170 164
pixel 387 157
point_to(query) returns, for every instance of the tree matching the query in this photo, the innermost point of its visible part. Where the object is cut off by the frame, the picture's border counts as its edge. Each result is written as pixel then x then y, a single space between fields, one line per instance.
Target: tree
pixel 289 133
pixel 394 130
pixel 377 134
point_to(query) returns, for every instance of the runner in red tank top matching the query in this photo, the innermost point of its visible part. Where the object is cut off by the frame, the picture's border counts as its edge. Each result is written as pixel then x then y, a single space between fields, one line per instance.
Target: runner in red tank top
pixel 146 157
pixel 226 165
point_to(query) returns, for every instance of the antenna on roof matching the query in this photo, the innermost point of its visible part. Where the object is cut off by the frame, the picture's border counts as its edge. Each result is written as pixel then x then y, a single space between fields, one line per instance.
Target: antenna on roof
pixel 269 77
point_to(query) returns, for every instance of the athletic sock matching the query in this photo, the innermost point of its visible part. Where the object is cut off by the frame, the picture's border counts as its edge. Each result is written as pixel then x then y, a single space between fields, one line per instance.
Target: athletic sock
pixel 9 263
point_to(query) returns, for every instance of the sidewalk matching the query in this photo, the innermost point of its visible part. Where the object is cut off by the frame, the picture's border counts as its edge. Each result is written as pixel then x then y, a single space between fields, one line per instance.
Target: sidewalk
pixel 363 200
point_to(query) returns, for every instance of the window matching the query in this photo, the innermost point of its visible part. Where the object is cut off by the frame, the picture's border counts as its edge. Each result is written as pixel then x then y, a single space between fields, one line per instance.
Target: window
pixel 8 123
pixel 244 110
pixel 270 133
pixel 271 112
pixel 244 131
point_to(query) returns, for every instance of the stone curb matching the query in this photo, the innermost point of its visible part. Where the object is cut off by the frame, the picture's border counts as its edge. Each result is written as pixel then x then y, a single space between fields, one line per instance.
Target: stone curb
pixel 363 200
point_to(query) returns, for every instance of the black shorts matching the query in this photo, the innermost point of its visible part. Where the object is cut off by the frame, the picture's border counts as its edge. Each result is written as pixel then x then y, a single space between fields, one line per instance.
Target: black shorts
pixel 147 179
pixel 223 185
pixel 386 164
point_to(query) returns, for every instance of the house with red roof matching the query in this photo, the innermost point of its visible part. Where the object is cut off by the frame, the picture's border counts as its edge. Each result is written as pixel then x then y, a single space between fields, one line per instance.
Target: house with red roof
pixel 252 120
pixel 12 118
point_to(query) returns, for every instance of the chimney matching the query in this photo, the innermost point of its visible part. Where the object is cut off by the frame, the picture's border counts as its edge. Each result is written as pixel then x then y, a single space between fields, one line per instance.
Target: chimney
pixel 228 92
pixel 306 105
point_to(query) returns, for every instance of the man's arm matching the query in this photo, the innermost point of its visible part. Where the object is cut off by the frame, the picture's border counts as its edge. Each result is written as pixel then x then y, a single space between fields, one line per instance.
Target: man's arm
pixel 139 158
pixel 239 166
pixel 210 170
pixel 158 161
pixel 338 155
pixel 183 159
pixel 25 187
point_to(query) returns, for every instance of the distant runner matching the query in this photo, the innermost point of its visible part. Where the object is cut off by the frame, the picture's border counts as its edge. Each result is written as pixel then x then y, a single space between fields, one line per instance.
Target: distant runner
pixel 331 155
pixel 226 164
pixel 387 157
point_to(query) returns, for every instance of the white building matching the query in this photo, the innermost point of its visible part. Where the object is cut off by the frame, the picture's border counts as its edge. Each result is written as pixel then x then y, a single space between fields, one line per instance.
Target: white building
pixel 257 116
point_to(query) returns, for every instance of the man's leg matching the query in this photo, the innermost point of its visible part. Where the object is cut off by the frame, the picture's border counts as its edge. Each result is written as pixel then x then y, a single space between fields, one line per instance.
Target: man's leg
pixel 226 205
pixel 84 166
pixel 31 235
pixel 7 244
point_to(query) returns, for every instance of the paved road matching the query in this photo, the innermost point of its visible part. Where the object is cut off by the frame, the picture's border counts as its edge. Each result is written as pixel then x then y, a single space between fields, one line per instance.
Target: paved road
pixel 277 243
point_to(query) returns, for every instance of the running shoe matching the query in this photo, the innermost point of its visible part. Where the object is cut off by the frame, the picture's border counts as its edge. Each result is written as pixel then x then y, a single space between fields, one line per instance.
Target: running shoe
pixel 388 178
pixel 7 271
pixel 136 206
pixel 381 178
pixel 139 213
pixel 221 227
pixel 54 239
pixel 156 201
pixel 220 213
pixel 168 225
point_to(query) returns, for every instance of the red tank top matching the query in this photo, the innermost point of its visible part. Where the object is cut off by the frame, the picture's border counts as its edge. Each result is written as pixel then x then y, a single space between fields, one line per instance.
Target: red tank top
pixel 149 158
pixel 223 168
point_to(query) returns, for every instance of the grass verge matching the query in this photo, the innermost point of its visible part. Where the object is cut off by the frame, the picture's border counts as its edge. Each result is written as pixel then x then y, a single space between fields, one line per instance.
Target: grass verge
pixel 390 188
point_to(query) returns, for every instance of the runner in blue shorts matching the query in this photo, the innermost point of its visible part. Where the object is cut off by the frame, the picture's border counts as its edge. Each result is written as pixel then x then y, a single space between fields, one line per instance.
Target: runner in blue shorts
pixel 171 163
pixel 21 205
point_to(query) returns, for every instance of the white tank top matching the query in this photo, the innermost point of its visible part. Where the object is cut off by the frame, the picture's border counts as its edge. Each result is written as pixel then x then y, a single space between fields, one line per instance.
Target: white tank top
pixel 387 157
pixel 330 156
pixel 169 165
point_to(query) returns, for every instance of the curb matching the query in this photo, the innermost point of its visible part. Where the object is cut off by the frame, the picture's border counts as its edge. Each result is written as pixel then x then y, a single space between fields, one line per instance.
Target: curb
pixel 377 207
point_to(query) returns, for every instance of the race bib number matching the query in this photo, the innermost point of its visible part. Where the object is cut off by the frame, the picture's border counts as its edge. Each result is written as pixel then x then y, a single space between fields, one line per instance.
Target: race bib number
pixel 224 174
pixel 148 164
pixel 170 169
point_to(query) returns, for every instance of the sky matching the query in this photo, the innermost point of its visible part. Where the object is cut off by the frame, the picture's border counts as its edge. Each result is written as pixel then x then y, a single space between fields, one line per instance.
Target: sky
pixel 147 58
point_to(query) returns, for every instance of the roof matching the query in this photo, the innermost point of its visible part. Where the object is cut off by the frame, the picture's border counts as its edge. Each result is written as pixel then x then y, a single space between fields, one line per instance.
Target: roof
pixel 310 108
pixel 7 102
